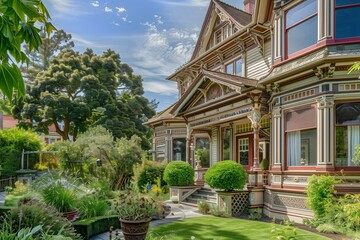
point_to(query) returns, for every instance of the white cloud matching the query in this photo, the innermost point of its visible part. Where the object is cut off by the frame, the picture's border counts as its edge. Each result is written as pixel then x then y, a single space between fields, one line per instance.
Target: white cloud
pixel 107 9
pixel 95 4
pixel 185 3
pixel 120 9
pixel 162 51
pixel 82 42
pixel 65 8
pixel 158 19
pixel 166 88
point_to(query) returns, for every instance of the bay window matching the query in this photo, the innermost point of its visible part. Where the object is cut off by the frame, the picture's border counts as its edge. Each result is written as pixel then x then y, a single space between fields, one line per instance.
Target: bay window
pixel 301 26
pixel 347 15
pixel 347 132
pixel 301 140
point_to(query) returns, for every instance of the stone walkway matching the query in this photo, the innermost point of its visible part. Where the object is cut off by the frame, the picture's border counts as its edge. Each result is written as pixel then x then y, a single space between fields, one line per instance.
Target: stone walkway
pixel 2 198
pixel 178 212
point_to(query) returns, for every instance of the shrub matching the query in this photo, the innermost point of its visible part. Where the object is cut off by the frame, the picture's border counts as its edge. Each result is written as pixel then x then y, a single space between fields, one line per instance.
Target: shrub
pixel 179 173
pixel 61 198
pixel 264 165
pixel 320 192
pixel 226 175
pixel 328 228
pixel 90 207
pixel 204 206
pixel 218 212
pixel 12 142
pixel 36 213
pixel 255 214
pixel 148 173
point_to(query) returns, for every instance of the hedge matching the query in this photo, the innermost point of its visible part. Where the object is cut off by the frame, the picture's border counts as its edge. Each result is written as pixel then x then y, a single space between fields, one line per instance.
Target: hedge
pixel 96 225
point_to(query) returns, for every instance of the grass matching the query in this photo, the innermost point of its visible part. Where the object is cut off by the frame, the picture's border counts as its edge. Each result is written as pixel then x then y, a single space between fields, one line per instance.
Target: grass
pixel 211 227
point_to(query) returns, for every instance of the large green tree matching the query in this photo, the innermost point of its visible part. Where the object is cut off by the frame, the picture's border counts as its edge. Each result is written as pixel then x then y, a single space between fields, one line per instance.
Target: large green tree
pixel 51 46
pixel 18 20
pixel 82 90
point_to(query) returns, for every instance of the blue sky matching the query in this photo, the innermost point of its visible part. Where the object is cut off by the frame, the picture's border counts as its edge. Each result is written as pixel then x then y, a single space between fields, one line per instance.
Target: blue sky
pixel 154 37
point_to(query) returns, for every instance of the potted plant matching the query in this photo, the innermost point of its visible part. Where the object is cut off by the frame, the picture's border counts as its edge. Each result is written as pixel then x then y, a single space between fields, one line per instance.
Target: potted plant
pixel 61 198
pixel 226 176
pixel 179 175
pixel 135 211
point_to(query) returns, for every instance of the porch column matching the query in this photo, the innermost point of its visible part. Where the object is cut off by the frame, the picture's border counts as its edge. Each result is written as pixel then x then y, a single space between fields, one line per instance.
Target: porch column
pixel 255 118
pixel 325 132
pixel 276 138
pixel 188 145
pixel 154 148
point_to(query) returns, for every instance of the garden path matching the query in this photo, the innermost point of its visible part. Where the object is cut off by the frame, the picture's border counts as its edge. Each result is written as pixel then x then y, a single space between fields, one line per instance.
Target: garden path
pixel 178 212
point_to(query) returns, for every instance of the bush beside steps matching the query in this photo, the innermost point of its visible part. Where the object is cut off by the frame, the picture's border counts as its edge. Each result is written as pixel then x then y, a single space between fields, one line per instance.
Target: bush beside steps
pixel 96 225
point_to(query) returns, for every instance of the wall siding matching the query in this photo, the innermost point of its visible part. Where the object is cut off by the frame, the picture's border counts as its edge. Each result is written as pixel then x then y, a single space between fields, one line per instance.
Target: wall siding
pixel 257 65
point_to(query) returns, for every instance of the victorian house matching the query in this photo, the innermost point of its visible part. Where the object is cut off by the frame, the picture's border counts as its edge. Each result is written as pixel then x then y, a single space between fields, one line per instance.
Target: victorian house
pixel 270 82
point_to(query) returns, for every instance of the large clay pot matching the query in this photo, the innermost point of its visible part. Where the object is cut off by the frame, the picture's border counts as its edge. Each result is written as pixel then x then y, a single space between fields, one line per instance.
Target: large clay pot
pixel 135 230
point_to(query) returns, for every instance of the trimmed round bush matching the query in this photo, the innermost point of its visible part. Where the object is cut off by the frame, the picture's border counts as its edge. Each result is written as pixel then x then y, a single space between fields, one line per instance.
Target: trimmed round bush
pixel 226 175
pixel 179 173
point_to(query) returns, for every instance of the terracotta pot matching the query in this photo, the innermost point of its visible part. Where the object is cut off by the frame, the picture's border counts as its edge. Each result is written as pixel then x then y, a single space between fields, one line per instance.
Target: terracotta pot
pixel 71 216
pixel 135 230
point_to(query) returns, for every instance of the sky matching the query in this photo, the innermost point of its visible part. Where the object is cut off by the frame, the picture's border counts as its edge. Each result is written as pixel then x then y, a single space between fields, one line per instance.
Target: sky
pixel 154 37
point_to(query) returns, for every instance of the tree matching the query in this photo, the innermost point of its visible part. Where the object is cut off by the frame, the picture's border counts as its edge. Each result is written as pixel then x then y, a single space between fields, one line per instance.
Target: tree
pixel 51 46
pixel 354 67
pixel 17 26
pixel 83 90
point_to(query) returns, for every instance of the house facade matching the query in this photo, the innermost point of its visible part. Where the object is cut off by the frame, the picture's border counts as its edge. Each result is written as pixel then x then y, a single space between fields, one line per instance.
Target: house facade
pixel 272 82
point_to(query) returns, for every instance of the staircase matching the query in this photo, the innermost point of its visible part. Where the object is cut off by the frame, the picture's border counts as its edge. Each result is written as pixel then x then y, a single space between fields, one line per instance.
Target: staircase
pixel 207 194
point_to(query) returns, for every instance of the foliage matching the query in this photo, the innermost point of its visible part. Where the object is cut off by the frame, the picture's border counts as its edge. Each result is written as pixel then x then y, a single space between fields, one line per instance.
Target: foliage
pixel 35 213
pixel 148 172
pixel 255 214
pixel 356 157
pixel 179 173
pixel 12 143
pixel 50 46
pixel 84 89
pixel 264 164
pixel 135 206
pixel 91 206
pixel 18 22
pixel 320 192
pixel 59 197
pixel 118 158
pixel 287 233
pixel 204 206
pixel 219 212
pixel 226 175
pixel 328 228
pixel 202 154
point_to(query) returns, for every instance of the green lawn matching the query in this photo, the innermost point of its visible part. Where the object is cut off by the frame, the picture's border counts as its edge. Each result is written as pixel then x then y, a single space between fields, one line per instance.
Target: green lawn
pixel 216 228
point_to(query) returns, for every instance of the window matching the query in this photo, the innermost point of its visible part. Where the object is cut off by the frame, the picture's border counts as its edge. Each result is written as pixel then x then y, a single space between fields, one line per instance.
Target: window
pixel 301 137
pixel 301 26
pixel 218 37
pixel 347 14
pixel 226 143
pixel 179 149
pixel 203 150
pixel 234 68
pixel 347 132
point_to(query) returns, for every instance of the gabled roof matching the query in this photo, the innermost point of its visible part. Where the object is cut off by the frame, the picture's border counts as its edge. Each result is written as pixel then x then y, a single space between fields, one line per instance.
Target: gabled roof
pixel 232 81
pixel 238 17
pixel 163 116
